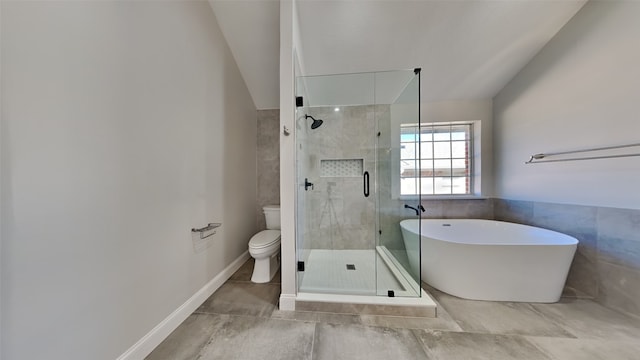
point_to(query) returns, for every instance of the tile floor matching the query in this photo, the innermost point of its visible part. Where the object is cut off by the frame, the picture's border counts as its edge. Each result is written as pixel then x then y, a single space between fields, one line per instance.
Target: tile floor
pixel 241 321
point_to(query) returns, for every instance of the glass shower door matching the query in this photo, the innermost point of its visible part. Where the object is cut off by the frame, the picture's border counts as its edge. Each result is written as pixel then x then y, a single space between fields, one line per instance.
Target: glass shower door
pixel 335 140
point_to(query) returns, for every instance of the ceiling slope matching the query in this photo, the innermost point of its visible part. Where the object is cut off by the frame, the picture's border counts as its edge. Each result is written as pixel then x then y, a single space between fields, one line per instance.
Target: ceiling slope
pixel 468 50
pixel 252 30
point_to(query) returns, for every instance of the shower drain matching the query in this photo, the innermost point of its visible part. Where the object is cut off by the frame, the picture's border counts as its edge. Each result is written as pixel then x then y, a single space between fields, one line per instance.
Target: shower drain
pixel 351 267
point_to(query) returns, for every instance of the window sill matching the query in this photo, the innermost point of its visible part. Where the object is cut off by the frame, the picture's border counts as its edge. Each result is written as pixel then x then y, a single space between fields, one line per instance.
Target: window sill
pixel 443 197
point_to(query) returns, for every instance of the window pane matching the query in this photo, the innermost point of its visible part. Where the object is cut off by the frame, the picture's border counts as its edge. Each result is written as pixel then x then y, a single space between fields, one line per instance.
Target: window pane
pixel 459 185
pixel 442 136
pixel 409 168
pixel 408 137
pixel 442 167
pixel 460 132
pixel 443 185
pixel 442 150
pixel 426 166
pixel 408 186
pixel 426 184
pixel 426 135
pixel 459 149
pixel 459 163
pixel 408 151
pixel 426 150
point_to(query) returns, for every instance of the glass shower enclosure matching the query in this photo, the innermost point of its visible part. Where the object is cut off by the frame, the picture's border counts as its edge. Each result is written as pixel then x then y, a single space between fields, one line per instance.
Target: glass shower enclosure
pixel 358 176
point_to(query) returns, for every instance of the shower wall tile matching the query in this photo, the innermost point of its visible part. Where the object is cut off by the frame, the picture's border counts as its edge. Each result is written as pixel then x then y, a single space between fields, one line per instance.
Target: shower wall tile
pixel 267 162
pixel 337 215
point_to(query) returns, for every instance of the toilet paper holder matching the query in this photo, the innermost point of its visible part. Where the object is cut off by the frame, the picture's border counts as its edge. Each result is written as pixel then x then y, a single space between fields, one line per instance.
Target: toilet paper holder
pixel 209 227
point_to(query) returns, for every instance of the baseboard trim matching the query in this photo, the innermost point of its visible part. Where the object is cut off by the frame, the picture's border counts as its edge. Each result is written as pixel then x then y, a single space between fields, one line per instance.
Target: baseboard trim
pixel 151 340
pixel 287 302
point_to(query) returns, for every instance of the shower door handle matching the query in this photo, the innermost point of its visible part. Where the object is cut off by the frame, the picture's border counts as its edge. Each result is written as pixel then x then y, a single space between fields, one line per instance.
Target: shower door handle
pixel 366 184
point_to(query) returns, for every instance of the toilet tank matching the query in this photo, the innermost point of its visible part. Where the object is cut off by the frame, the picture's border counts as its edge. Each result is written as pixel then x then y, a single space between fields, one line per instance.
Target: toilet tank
pixel 272 216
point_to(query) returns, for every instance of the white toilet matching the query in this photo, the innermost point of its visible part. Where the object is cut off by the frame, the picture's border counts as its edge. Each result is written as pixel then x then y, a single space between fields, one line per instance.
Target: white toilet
pixel 265 247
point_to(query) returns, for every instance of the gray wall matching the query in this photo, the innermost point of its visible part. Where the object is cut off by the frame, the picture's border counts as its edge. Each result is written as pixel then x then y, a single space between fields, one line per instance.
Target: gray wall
pixel 124 125
pixel 579 92
pixel 268 162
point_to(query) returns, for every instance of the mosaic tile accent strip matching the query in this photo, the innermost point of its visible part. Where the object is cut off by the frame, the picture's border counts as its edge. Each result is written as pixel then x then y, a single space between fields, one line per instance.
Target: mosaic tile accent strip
pixel 341 168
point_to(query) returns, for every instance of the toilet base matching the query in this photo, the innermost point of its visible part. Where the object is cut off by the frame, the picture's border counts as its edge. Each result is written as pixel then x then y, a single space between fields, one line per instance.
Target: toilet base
pixel 265 268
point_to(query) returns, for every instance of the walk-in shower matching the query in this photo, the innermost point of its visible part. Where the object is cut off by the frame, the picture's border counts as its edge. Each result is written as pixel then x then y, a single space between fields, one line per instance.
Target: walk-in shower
pixel 350 172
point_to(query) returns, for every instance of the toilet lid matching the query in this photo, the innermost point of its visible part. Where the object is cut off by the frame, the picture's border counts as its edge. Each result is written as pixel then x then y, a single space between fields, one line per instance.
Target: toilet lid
pixel 264 238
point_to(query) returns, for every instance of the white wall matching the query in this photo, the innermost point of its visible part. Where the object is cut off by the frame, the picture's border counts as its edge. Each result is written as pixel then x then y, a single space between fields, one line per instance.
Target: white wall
pixel 124 125
pixel 469 110
pixel 288 37
pixel 1 187
pixel 580 91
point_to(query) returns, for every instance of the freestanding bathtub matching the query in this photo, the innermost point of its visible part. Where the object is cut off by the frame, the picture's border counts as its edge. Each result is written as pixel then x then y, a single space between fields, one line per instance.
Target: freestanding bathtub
pixel 489 260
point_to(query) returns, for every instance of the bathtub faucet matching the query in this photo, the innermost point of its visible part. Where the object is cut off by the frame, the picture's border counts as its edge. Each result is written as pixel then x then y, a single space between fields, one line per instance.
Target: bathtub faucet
pixel 416 209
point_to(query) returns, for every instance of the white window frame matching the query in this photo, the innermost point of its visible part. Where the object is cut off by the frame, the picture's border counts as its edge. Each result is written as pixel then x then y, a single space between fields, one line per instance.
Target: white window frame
pixel 474 159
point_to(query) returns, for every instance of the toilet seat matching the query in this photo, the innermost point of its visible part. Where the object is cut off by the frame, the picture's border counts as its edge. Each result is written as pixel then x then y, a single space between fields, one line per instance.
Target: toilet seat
pixel 264 239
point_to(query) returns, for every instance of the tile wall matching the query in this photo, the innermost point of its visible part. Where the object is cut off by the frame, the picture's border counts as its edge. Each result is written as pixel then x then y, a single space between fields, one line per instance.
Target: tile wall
pixel 268 162
pixel 337 215
pixel 607 263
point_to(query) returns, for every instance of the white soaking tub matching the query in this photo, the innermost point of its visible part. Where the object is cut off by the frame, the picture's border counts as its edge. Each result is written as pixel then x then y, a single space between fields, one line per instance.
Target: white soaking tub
pixel 490 260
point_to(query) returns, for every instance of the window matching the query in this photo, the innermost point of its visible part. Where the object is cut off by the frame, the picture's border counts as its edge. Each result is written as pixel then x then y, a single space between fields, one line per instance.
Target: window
pixel 438 153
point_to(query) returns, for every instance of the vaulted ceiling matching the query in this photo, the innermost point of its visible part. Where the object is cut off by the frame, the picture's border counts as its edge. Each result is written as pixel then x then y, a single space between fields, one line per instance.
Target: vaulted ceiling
pixel 468 50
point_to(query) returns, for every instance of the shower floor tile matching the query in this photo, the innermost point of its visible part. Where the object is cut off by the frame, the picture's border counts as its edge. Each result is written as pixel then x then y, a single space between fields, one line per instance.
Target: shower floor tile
pixel 327 271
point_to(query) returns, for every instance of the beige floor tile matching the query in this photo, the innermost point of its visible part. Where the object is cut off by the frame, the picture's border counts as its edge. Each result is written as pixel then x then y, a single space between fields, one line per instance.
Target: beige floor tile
pixel 188 339
pixel 250 338
pixel 445 345
pixel 587 349
pixel 240 298
pixel 587 319
pixel 244 273
pixel 410 322
pixel 241 321
pixel 312 316
pixel 499 317
pixel 352 342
